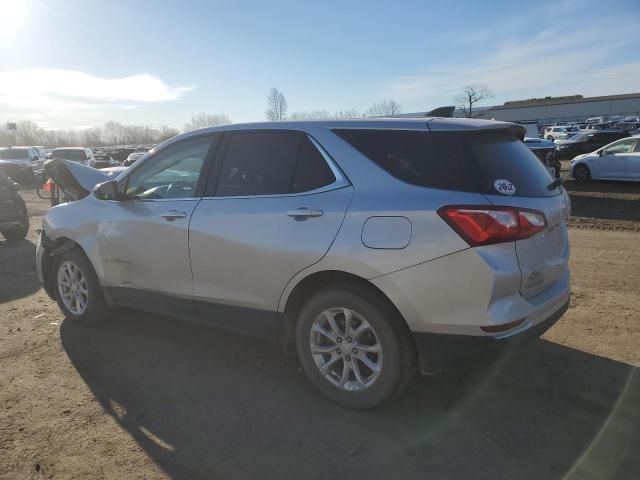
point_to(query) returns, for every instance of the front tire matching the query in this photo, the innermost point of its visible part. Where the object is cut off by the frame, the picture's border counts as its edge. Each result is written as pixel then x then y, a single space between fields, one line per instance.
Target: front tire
pixel 20 231
pixel 354 347
pixel 77 289
pixel 582 174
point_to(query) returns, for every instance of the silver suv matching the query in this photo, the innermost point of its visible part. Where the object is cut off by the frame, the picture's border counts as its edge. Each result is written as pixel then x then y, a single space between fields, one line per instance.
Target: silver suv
pixel 373 246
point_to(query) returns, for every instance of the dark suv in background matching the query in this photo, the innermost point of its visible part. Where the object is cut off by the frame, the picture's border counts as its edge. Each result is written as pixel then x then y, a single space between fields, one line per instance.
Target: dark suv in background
pixel 14 219
pixel 587 142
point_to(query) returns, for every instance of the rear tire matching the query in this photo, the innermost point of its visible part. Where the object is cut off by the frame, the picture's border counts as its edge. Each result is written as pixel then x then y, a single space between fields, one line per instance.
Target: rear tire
pixel 582 174
pixel 375 347
pixel 77 289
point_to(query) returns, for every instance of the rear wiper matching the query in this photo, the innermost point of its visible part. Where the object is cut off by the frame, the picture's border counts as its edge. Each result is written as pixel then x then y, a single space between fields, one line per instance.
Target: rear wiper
pixel 555 184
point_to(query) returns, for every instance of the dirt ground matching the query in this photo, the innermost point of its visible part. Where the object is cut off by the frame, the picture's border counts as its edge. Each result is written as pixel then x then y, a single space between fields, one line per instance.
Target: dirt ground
pixel 150 397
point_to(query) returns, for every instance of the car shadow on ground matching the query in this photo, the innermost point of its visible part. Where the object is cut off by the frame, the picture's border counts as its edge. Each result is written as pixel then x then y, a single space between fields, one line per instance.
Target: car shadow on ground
pixel 18 276
pixel 207 404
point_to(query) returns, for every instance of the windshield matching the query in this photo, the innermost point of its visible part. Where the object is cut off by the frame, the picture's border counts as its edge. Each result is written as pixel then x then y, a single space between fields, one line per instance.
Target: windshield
pixel 14 153
pixel 70 154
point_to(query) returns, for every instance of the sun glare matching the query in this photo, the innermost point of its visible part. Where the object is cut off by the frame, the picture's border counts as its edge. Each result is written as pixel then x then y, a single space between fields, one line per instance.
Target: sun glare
pixel 14 17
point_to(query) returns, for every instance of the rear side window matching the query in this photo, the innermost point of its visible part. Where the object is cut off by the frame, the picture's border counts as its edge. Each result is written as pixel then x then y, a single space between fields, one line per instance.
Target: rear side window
pixel 311 171
pixel 271 163
pixel 470 162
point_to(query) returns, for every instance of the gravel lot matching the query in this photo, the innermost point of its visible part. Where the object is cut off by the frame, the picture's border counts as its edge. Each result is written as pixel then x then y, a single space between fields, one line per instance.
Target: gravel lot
pixel 150 397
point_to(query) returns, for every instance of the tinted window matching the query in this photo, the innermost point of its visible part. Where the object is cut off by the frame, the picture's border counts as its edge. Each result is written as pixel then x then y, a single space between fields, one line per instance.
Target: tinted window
pixel 69 154
pixel 173 172
pixel 14 153
pixel 469 162
pixel 258 163
pixel 311 170
pixel 623 146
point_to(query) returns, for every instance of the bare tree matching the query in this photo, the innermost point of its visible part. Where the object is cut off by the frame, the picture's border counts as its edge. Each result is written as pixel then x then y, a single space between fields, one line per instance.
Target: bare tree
pixel 165 132
pixel 383 109
pixel 471 95
pixel 276 105
pixel 203 120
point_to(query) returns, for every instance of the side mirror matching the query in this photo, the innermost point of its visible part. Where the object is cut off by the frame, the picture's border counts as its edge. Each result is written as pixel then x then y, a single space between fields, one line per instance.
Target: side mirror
pixel 106 190
pixel 600 152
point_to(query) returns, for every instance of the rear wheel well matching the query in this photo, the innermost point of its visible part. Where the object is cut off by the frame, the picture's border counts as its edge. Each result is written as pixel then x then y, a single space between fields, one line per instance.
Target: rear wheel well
pixel 321 280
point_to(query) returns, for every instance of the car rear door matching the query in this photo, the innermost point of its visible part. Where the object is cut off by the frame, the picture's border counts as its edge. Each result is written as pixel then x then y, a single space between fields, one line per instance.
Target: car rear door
pixel 273 205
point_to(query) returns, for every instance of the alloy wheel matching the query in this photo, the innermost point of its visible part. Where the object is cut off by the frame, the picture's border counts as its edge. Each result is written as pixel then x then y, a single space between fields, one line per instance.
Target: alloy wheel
pixel 72 286
pixel 346 349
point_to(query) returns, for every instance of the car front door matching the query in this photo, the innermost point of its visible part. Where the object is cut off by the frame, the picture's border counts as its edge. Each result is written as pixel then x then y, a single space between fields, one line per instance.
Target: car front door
pixel 632 164
pixel 273 205
pixel 611 164
pixel 144 236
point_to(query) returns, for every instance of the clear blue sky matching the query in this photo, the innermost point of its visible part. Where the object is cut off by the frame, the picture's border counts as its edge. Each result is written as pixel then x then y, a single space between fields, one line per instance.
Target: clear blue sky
pixel 68 63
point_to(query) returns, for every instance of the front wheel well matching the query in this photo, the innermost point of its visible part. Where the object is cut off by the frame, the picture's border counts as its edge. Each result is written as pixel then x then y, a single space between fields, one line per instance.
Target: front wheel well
pixel 53 248
pixel 319 281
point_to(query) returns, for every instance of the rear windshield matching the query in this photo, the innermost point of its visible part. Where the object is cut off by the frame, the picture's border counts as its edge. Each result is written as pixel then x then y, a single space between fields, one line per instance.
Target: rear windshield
pixel 478 162
pixel 70 154
pixel 14 153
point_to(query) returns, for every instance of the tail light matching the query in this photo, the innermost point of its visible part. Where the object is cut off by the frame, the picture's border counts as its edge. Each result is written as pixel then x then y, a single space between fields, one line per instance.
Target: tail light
pixel 485 225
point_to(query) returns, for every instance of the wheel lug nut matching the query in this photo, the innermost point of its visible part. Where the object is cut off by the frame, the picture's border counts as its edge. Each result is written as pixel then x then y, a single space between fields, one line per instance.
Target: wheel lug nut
pixel 348 339
pixel 339 339
pixel 338 351
pixel 355 351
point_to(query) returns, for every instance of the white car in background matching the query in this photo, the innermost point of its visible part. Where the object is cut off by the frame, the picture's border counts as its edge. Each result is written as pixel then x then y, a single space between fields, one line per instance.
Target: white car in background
pixel 560 132
pixel 619 160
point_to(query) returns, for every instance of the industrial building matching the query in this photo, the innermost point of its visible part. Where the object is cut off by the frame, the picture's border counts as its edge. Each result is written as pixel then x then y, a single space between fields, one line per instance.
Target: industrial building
pixel 576 108
pixel 552 110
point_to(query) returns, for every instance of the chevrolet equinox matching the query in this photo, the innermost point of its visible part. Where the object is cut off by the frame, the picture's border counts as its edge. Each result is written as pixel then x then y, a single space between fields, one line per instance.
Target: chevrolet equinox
pixel 369 245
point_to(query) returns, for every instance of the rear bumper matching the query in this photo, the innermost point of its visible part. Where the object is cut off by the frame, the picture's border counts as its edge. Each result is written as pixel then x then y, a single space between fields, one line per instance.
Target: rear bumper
pixel 435 350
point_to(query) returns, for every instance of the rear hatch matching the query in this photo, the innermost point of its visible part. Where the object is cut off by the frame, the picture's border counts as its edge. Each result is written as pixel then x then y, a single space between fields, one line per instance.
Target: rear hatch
pixel 517 179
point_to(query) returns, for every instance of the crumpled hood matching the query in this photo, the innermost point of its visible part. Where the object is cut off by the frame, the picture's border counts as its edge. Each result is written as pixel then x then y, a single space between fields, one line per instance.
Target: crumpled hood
pixel 77 180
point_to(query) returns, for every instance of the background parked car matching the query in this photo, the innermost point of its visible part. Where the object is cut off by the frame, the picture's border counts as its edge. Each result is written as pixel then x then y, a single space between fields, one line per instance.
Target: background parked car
pixel 42 157
pixel 545 150
pixel 17 163
pixel 587 142
pixel 14 218
pixel 102 160
pixel 75 154
pixel 598 126
pixel 132 158
pixel 619 160
pixel 555 133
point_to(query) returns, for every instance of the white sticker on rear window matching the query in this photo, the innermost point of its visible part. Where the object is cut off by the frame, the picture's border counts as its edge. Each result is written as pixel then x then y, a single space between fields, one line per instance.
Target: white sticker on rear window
pixel 505 187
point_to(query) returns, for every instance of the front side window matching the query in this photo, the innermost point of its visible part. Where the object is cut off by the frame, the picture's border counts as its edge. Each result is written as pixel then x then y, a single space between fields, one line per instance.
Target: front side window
pixel 172 173
pixel 271 163
pixel 625 146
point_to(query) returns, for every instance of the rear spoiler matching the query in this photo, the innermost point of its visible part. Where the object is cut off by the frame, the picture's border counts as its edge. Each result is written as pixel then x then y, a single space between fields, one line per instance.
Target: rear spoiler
pixel 444 112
